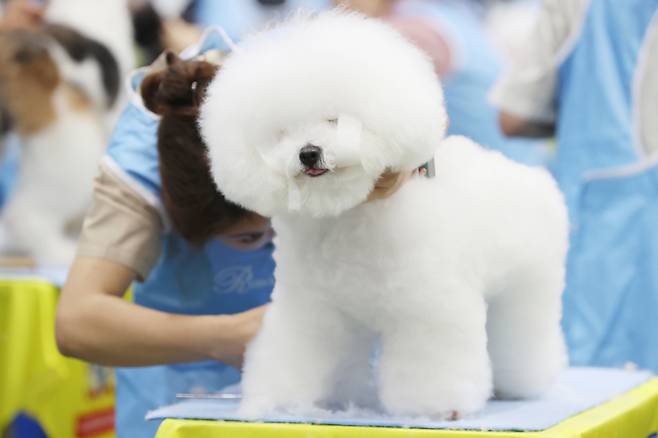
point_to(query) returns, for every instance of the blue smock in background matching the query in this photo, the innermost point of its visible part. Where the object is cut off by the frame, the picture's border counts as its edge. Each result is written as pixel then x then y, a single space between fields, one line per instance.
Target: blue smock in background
pixel 611 187
pixel 476 68
pixel 212 279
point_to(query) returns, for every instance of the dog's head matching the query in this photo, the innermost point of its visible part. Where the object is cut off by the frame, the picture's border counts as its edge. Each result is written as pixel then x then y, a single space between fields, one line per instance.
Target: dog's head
pixel 307 116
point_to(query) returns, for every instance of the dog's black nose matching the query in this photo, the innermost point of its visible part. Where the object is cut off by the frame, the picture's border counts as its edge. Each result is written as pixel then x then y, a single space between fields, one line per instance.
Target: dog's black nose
pixel 310 155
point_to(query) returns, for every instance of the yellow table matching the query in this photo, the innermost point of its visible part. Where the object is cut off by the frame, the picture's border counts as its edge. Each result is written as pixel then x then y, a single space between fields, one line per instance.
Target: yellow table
pixel 632 415
pixel 68 398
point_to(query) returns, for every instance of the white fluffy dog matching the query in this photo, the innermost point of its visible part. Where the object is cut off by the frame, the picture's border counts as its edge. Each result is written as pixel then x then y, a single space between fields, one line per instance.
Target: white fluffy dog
pixel 455 281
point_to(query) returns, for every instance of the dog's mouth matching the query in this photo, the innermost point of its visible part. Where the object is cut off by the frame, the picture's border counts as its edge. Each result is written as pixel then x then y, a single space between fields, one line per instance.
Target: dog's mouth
pixel 314 172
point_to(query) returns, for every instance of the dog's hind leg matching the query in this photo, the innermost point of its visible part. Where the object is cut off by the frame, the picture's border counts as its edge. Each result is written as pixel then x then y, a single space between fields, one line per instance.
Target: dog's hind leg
pixel 526 345
pixel 291 364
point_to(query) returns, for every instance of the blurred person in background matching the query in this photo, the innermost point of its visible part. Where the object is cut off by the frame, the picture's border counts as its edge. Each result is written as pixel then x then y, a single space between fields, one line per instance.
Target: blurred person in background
pixel 454 34
pixel 509 23
pixel 590 78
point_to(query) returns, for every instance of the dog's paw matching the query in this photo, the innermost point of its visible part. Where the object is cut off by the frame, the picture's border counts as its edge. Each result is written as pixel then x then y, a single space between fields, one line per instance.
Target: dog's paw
pixel 446 416
pixel 445 403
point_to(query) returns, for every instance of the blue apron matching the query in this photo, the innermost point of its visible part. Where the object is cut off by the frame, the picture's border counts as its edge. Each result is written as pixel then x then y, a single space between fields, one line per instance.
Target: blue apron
pixel 611 188
pixel 476 69
pixel 213 279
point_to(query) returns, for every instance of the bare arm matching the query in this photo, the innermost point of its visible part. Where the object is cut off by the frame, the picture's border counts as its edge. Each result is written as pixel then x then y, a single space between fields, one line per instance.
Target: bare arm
pixel 514 126
pixel 94 323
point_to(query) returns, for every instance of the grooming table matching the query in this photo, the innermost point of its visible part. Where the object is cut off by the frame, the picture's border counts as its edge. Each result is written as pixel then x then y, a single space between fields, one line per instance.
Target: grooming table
pixel 585 402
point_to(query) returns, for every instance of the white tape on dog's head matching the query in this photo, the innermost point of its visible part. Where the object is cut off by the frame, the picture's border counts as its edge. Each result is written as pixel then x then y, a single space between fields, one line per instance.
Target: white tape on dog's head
pixel 347 149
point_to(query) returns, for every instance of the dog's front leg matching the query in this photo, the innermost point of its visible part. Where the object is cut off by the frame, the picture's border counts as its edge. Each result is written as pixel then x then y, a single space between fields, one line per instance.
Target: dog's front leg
pixel 291 364
pixel 434 360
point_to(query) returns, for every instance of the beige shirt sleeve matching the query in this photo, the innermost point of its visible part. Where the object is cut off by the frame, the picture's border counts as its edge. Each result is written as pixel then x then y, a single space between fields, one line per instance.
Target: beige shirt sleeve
pixel 121 226
pixel 528 88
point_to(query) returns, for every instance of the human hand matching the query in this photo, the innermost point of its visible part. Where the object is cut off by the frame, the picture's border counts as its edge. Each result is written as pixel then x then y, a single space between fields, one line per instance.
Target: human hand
pixel 388 184
pixel 22 14
pixel 234 334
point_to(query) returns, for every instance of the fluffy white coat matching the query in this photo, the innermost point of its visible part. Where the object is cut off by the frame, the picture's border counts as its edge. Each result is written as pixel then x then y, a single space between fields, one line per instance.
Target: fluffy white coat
pixel 455 281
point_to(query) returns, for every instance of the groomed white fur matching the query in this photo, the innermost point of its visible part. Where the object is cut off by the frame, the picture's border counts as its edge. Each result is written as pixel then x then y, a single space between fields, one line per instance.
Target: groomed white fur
pixel 457 279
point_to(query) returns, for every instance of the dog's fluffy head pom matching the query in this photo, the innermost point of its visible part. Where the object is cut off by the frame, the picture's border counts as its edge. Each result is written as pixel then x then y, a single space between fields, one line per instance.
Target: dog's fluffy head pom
pixel 307 115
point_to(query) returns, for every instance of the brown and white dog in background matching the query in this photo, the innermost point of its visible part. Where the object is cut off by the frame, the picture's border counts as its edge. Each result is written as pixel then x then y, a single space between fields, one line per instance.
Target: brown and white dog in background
pixel 59 88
